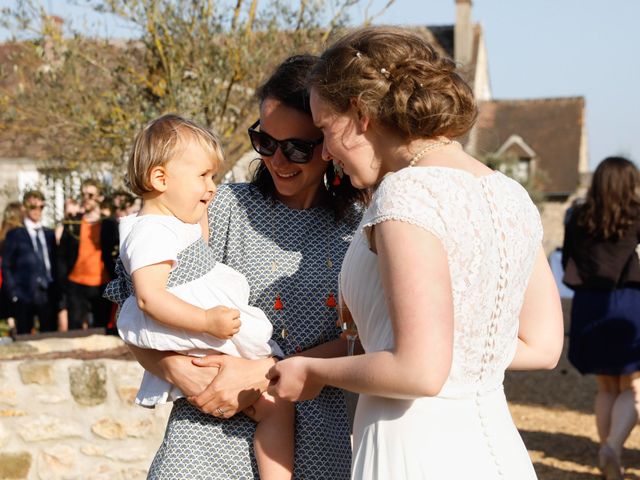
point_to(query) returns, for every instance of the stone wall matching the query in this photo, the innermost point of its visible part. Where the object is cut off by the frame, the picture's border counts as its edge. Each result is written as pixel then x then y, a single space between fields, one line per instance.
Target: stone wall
pixel 67 411
pixel 552 216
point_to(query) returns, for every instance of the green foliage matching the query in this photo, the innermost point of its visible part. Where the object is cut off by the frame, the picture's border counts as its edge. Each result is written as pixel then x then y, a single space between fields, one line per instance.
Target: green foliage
pixel 75 102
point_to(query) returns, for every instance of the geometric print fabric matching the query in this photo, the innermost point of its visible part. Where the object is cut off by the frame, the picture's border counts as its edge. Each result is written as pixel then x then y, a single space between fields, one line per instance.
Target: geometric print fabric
pixel 296 255
pixel 193 262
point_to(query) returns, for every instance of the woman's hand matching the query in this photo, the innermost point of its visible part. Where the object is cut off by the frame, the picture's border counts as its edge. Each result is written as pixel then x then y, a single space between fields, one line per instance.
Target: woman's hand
pixel 292 380
pixel 239 383
pixel 176 369
pixel 192 379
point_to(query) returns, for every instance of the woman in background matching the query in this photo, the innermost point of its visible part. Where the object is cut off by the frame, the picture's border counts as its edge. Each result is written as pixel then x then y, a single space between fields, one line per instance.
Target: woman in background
pixel 601 264
pixel 11 218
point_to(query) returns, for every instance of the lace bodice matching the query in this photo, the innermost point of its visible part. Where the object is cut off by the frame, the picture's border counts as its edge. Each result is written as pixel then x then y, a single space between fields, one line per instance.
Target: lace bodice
pixel 491 232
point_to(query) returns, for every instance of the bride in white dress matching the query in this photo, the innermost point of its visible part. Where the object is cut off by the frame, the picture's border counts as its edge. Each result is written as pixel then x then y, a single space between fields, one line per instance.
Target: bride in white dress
pixel 446 278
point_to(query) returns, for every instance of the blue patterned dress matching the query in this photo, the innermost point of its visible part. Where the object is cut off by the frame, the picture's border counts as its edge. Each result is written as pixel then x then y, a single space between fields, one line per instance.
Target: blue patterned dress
pixel 293 255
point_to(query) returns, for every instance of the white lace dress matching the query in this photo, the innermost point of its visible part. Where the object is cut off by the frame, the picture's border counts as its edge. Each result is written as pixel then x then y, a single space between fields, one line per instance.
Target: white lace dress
pixel 491 231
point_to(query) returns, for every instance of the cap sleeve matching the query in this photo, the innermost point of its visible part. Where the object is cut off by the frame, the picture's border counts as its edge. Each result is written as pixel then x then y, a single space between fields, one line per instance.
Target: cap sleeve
pixel 415 200
pixel 150 242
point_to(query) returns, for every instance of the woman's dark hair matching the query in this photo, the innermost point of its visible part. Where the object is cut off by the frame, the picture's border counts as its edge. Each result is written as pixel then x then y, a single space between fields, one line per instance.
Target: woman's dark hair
pixel 288 85
pixel 612 205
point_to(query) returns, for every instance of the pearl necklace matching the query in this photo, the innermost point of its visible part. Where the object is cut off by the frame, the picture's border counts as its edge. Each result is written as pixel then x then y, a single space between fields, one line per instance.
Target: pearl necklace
pixel 428 148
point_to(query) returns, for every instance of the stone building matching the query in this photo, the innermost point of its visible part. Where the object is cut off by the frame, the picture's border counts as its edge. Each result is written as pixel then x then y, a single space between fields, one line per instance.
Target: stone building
pixel 547 137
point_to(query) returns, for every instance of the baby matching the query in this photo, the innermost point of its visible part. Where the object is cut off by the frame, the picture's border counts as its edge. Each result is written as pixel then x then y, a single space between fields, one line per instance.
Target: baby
pixel 184 300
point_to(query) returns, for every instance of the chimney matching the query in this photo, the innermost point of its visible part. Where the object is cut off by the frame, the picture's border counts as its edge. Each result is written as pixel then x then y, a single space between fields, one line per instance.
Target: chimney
pixel 463 32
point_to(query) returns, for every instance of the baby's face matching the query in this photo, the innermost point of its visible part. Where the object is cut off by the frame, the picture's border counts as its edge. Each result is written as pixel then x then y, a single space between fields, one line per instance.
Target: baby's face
pixel 190 182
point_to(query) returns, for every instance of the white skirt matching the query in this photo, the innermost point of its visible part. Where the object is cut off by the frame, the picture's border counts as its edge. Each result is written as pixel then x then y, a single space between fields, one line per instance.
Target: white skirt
pixel 438 438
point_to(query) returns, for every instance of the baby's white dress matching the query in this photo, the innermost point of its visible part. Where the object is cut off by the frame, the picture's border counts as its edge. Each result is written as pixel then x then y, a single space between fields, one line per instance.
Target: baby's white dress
pixel 195 278
pixel 491 232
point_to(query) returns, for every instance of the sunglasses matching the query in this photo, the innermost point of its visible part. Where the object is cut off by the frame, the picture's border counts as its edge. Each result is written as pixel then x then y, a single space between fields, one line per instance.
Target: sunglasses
pixel 89 195
pixel 294 149
pixel 34 207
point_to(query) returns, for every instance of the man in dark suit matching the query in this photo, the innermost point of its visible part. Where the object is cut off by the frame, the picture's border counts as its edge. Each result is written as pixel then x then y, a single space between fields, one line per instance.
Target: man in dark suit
pixel 28 269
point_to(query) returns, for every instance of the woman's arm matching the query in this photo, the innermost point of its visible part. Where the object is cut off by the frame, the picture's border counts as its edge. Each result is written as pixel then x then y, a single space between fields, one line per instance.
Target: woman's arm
pixel 541 330
pixel 417 287
pixel 241 381
pixel 331 349
pixel 176 369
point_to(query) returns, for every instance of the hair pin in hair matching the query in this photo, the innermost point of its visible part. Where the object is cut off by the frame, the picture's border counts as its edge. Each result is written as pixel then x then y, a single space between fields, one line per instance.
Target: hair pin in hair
pixel 385 72
pixel 359 54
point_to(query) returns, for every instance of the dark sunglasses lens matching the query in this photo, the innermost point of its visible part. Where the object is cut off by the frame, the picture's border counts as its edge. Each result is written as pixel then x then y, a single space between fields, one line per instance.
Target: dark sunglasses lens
pixel 297 153
pixel 263 143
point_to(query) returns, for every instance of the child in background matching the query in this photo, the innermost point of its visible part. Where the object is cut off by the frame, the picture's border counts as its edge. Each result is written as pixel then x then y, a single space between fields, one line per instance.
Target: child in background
pixel 184 300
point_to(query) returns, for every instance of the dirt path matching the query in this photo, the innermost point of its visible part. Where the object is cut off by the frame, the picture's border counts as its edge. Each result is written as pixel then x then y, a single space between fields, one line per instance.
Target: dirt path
pixel 554 413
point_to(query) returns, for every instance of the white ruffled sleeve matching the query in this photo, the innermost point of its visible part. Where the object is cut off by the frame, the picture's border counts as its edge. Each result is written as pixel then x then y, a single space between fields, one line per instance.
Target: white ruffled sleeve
pixel 407 198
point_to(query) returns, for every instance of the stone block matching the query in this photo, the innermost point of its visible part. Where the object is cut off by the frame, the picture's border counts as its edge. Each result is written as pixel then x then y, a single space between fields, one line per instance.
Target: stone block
pixel 140 429
pixel 8 397
pixel 48 428
pixel 134 474
pixel 17 349
pixel 12 413
pixel 92 450
pixel 109 429
pixel 127 455
pixel 15 465
pixel 59 461
pixel 88 383
pixel 102 472
pixel 127 394
pixel 40 373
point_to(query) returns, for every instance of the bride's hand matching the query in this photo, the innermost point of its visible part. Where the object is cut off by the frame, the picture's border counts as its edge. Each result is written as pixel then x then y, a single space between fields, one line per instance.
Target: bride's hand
pixel 291 380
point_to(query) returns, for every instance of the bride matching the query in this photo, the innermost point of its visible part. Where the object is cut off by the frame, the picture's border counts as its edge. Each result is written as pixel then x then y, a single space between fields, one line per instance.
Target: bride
pixel 446 277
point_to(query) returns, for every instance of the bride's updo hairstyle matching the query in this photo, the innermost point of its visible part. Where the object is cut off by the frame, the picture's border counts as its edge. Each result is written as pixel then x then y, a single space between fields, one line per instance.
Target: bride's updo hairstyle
pixel 398 80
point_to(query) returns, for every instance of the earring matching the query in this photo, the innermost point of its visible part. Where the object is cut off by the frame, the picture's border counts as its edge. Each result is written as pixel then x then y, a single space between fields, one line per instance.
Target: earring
pixel 338 173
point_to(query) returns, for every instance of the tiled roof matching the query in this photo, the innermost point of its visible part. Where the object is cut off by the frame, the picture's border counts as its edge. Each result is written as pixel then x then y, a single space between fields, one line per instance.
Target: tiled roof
pixel 552 127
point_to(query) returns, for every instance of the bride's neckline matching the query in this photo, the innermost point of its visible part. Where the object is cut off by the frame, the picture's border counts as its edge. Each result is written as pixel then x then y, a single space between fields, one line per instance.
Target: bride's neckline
pixel 453 169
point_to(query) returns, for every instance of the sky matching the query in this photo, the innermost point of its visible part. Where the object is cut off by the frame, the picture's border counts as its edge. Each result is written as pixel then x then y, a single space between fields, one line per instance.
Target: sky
pixel 536 49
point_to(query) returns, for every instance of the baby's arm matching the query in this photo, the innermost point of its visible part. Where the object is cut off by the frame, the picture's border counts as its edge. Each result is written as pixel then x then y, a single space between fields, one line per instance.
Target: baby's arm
pixel 153 299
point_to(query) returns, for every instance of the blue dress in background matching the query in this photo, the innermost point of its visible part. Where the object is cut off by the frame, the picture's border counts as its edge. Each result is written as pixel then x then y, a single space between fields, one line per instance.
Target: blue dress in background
pixel 604 337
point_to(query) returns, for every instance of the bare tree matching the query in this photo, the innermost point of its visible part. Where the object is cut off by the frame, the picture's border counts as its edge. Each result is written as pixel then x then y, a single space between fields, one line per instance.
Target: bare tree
pixel 80 99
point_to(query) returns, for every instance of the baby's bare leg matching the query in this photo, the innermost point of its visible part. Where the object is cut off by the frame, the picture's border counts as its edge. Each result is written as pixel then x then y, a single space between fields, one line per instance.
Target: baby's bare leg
pixel 274 439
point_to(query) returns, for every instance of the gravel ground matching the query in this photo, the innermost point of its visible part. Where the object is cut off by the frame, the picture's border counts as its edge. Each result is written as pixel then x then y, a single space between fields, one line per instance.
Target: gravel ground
pixel 554 413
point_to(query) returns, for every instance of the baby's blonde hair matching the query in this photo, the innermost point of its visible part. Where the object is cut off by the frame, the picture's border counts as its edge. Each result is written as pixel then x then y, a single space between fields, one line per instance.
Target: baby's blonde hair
pixel 157 143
